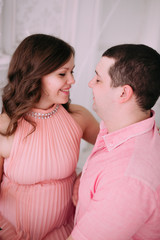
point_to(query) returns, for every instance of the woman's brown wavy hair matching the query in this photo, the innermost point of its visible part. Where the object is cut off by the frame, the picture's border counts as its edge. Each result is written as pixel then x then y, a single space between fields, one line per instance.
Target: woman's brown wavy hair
pixel 36 56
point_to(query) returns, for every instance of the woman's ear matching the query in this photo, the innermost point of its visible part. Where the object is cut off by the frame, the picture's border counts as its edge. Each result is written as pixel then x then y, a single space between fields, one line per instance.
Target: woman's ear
pixel 126 93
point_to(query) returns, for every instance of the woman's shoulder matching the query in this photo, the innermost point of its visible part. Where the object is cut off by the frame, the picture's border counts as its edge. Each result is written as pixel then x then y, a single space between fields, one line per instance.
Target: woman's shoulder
pixel 5 142
pixel 80 113
pixel 79 110
pixel 74 107
pixel 4 122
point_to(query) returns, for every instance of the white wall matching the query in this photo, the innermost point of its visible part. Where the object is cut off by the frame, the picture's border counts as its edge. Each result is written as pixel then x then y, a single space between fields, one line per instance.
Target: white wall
pixel 91 26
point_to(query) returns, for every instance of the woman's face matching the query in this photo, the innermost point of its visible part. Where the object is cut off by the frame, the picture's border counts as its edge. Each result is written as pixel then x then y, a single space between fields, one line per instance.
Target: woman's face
pixel 56 86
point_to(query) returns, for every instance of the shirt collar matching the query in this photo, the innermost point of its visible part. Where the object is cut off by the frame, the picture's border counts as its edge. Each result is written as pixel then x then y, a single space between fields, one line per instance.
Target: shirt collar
pixel 114 139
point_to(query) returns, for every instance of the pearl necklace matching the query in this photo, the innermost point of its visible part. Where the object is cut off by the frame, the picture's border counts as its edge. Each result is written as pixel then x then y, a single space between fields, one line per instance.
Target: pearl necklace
pixel 43 115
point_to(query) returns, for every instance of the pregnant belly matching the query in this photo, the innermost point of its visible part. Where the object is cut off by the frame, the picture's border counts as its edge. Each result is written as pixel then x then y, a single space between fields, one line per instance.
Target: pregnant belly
pixel 37 209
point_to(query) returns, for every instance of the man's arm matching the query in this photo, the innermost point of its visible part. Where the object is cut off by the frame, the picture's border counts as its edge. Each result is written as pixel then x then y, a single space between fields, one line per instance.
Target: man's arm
pixel 117 209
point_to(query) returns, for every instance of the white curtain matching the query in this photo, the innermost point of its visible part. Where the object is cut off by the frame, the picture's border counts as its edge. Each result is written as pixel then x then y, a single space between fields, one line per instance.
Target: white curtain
pixel 91 26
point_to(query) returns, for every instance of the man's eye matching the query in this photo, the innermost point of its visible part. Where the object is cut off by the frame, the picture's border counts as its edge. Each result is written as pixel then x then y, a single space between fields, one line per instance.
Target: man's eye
pixel 72 72
pixel 62 74
pixel 97 80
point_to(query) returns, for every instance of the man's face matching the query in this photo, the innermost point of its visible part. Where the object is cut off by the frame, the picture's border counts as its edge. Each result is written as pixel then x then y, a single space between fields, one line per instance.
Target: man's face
pixel 104 96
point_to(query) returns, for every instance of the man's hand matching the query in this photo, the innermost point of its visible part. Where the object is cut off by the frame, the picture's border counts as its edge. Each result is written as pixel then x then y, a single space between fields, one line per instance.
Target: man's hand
pixel 75 190
pixel 1 167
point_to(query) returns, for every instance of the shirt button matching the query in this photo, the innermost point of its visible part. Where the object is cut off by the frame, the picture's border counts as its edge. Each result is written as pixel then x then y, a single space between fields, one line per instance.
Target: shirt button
pixel 110 144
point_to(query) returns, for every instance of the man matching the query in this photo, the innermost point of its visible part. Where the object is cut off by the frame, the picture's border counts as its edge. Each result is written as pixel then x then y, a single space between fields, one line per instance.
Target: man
pixel 119 194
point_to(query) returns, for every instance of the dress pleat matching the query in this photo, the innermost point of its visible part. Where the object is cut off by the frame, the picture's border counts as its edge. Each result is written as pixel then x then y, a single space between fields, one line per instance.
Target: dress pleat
pixel 35 200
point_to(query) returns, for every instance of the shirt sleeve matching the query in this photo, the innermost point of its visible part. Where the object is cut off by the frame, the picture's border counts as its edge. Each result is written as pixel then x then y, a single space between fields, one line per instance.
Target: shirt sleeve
pixel 117 210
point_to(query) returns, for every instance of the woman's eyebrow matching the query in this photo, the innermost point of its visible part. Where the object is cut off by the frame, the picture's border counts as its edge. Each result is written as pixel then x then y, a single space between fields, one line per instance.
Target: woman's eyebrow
pixel 66 67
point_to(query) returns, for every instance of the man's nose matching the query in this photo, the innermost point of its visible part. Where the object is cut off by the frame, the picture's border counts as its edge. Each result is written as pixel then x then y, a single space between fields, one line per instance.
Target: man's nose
pixel 91 82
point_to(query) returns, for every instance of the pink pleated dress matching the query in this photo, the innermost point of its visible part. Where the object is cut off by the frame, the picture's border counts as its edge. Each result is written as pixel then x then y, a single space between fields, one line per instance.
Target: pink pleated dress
pixel 38 177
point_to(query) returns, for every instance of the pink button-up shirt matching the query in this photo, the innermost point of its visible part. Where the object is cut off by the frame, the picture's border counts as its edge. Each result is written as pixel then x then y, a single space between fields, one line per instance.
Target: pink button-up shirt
pixel 119 194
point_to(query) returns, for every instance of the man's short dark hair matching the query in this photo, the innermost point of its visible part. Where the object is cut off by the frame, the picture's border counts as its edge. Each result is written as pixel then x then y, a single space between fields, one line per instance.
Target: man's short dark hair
pixel 136 65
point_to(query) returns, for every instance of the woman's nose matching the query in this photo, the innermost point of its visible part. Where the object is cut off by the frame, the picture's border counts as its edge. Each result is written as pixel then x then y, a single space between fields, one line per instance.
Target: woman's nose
pixel 71 80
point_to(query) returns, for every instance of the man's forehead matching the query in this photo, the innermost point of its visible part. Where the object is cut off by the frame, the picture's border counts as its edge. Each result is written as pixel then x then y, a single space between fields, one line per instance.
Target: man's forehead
pixel 105 63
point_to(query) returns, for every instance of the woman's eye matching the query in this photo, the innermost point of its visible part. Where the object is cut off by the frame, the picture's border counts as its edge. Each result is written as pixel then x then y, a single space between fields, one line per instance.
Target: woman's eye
pixel 62 74
pixel 72 72
pixel 97 80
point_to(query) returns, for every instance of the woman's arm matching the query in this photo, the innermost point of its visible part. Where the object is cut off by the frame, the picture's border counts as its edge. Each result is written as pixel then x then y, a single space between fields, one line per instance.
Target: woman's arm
pixel 4 146
pixel 87 122
pixel 90 129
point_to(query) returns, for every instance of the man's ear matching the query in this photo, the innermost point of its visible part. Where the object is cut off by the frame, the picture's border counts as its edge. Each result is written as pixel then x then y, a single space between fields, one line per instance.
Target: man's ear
pixel 125 94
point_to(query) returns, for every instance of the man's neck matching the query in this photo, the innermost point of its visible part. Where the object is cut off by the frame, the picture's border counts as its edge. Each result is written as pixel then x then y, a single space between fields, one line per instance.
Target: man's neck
pixel 126 119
